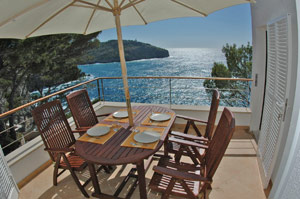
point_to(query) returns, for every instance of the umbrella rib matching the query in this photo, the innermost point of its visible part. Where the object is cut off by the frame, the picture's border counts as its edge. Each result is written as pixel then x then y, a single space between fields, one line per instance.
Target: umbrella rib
pixel 91 7
pixel 23 12
pixel 90 19
pixel 139 13
pixel 95 6
pixel 189 7
pixel 83 6
pixel 131 3
pixel 110 5
pixel 51 17
pixel 121 3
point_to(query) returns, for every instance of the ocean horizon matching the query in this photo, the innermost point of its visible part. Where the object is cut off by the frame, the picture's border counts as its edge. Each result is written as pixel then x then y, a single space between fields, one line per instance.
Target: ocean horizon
pixel 182 62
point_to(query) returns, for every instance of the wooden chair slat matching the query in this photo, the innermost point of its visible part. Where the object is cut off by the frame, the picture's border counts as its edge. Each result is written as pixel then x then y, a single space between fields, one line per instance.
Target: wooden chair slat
pixel 82 109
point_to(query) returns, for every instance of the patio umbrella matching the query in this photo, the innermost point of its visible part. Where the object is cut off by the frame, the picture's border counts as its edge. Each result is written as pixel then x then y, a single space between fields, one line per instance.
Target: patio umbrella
pixel 29 18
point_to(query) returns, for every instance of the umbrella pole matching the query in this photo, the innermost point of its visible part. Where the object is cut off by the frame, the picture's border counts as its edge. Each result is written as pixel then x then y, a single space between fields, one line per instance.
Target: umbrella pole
pixel 123 66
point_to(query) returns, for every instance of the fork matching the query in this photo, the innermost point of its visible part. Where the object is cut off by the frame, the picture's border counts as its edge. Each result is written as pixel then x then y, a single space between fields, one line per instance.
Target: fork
pixel 135 144
pixel 136 130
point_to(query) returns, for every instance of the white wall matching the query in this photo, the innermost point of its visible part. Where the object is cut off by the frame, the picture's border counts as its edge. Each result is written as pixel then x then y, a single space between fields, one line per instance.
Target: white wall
pixel 264 11
pixel 27 158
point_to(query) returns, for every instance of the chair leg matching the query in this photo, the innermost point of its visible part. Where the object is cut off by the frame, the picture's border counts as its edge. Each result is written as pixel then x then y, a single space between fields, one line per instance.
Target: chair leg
pixel 55 172
pixel 206 189
pixel 74 176
pixel 190 194
pixel 79 184
pixel 186 129
pixel 106 169
pixel 196 129
pixel 168 191
pixel 179 154
pixel 191 155
pixel 166 150
pixel 205 196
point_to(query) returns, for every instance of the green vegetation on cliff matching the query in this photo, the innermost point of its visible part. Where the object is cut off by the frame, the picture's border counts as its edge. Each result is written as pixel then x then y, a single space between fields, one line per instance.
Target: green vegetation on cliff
pixel 239 65
pixel 134 50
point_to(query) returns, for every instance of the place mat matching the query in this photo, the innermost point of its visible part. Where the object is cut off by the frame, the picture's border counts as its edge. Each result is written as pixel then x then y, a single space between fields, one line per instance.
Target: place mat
pixel 130 142
pixel 100 139
pixel 149 122
pixel 111 118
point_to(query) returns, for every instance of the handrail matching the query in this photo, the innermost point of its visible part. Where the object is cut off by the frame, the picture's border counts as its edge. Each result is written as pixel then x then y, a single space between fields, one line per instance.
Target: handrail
pixel 176 77
pixel 132 77
pixel 43 98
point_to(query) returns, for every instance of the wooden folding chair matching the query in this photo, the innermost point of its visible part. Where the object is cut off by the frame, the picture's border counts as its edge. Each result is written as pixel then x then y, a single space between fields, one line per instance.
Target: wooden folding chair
pixel 189 180
pixel 59 140
pixel 83 113
pixel 201 138
pixel 82 109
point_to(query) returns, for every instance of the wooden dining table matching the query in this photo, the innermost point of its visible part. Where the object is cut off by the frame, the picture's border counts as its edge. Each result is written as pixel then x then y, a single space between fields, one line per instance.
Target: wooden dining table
pixel 113 151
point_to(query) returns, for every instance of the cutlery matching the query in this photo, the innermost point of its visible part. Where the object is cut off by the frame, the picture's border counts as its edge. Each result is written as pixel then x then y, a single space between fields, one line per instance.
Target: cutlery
pixel 135 144
pixel 136 130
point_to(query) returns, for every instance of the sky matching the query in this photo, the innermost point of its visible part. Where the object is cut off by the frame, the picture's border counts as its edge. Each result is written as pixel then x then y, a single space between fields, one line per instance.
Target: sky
pixel 229 25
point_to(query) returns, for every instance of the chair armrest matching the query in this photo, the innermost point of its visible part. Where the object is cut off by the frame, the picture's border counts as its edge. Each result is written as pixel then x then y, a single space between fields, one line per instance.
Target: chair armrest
pixel 190 118
pixel 81 130
pixel 181 166
pixel 181 175
pixel 189 137
pixel 187 143
pixel 62 150
pixel 102 115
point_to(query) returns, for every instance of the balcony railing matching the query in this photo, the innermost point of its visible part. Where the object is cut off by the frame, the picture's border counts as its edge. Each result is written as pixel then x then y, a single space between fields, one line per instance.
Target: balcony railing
pixel 157 90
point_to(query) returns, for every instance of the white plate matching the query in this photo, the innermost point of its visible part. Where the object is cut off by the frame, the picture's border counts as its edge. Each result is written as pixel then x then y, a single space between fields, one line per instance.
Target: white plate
pixel 98 130
pixel 120 114
pixel 147 137
pixel 160 117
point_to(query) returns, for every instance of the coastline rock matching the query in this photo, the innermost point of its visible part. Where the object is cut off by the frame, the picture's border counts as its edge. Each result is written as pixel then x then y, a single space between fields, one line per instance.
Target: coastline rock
pixel 134 50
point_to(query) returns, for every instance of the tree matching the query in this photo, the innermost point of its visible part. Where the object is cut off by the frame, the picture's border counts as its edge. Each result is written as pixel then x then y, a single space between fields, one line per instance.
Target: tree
pixel 239 65
pixel 14 66
pixel 66 53
pixel 36 63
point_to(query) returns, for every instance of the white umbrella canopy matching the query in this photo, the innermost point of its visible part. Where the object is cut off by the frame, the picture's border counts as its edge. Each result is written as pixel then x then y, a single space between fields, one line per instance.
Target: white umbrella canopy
pixel 29 18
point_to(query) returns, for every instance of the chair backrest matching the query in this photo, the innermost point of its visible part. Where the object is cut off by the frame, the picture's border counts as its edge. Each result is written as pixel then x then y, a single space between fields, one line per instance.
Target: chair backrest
pixel 219 142
pixel 212 114
pixel 53 126
pixel 82 109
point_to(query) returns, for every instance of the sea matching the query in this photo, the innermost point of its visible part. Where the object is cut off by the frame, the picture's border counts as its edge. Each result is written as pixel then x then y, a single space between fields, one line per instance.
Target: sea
pixel 182 62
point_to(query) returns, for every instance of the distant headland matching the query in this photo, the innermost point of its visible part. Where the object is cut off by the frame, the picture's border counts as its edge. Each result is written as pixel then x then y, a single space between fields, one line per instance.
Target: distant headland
pixel 134 50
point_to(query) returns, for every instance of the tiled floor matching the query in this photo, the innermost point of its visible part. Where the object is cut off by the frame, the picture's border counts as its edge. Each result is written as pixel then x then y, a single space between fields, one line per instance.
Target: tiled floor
pixel 236 178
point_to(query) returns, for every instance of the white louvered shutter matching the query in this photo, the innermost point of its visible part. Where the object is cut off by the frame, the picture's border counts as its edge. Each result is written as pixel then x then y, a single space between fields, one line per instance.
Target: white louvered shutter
pixel 275 96
pixel 8 186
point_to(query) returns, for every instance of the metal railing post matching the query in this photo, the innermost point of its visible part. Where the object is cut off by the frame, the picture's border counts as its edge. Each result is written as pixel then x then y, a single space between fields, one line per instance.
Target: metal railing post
pixel 98 87
pixel 248 93
pixel 170 93
pixel 102 88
